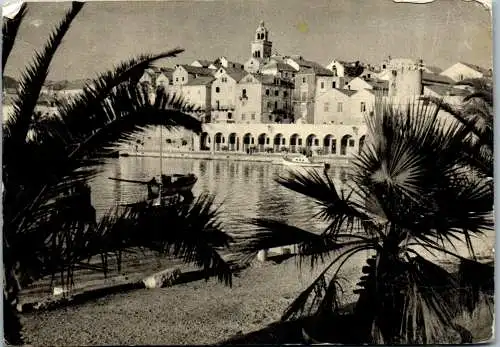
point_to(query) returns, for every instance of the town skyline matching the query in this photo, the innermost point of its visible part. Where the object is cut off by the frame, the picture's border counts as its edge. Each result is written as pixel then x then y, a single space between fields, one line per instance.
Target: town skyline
pixel 159 26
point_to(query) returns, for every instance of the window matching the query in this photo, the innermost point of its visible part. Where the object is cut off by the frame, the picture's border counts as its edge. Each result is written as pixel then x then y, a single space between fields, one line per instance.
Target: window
pixel 182 79
pixel 322 85
pixel 270 118
pixel 383 66
pixel 243 116
pixel 334 70
pixel 351 143
pixel 275 105
pixel 300 142
pixel 217 89
pixel 363 106
pixel 394 73
pixel 229 115
pixel 276 92
pixel 253 116
pixel 303 80
pixel 339 107
pixel 224 79
pixel 326 106
pixel 316 142
pixel 460 77
pixel 293 74
pixel 177 79
pixel 267 92
pixel 334 84
pixel 269 105
pixel 285 94
pixel 267 139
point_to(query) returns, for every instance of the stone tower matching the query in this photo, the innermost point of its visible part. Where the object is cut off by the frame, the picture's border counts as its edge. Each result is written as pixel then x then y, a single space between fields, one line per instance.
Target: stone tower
pixel 405 80
pixel 261 46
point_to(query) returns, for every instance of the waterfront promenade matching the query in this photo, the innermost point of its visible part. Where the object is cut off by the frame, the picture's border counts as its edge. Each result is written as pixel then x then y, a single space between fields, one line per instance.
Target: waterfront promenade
pixel 235 156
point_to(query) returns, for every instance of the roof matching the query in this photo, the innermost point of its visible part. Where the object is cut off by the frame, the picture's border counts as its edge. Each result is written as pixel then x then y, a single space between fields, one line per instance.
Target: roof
pixel 271 80
pixel 167 71
pixel 447 90
pixel 280 65
pixel 377 84
pixel 236 74
pixel 203 62
pixel 198 70
pixel 433 78
pixel 434 69
pixel 347 92
pixel 311 67
pixel 477 68
pixel 200 81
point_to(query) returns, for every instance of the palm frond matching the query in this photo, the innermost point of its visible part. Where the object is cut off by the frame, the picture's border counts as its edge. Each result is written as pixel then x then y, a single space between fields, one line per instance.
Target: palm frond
pixel 9 33
pixel 17 125
pixel 190 231
pixel 92 99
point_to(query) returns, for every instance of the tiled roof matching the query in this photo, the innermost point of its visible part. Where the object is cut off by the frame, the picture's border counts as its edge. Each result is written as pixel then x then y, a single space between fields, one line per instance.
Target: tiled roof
pixel 203 62
pixel 167 71
pixel 198 70
pixel 200 81
pixel 433 78
pixel 477 68
pixel 237 74
pixel 279 64
pixel 347 92
pixel 271 80
pixel 311 66
pixel 377 84
pixel 447 90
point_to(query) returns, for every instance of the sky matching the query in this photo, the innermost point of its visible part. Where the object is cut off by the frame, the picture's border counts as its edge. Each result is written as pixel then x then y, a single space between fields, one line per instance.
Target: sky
pixel 105 33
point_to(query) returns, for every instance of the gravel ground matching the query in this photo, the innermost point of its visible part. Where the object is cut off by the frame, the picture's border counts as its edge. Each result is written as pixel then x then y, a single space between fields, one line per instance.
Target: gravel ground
pixel 193 313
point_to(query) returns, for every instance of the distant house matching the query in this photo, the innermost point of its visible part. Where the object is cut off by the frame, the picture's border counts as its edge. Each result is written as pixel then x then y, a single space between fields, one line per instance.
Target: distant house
pixel 164 77
pixel 332 106
pixel 264 99
pixel 182 74
pixel 197 92
pixel 460 71
pixel 309 78
pixel 224 96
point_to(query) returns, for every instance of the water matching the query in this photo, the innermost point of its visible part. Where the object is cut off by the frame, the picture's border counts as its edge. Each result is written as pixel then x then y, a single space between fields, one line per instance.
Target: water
pixel 244 189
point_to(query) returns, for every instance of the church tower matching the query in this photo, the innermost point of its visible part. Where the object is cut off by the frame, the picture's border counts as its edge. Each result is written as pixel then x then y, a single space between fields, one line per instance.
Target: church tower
pixel 261 46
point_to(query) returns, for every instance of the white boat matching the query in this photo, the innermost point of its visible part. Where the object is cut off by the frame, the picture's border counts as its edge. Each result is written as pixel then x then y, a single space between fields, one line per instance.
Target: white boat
pixel 301 161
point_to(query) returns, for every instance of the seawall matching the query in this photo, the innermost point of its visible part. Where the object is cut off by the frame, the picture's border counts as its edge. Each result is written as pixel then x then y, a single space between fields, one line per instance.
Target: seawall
pixel 256 157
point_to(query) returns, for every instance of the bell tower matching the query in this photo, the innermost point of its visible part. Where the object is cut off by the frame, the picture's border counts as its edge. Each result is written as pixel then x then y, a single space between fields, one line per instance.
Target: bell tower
pixel 261 46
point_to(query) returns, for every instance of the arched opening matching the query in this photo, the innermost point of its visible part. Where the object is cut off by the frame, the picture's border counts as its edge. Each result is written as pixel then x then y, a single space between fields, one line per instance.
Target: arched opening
pixel 329 144
pixel 247 142
pixel 361 143
pixel 346 142
pixel 219 139
pixel 232 142
pixel 295 143
pixel 261 141
pixel 278 142
pixel 204 142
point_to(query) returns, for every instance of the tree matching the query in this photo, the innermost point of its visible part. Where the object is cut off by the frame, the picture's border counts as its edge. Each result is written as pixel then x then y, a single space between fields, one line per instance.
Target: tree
pixel 49 223
pixel 411 192
pixel 476 114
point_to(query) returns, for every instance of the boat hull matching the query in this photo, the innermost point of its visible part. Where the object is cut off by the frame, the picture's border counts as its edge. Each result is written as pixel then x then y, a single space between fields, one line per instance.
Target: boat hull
pixel 296 164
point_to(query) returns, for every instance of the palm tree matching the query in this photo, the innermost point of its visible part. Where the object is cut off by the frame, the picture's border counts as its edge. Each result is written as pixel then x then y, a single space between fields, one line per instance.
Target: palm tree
pixel 49 223
pixel 475 113
pixel 411 192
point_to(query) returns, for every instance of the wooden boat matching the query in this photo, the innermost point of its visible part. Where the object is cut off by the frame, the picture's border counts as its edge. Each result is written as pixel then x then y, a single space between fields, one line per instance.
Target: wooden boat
pixel 301 161
pixel 166 186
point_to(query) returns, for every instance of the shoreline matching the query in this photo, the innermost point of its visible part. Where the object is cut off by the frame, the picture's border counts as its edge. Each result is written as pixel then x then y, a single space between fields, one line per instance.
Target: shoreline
pixel 235 156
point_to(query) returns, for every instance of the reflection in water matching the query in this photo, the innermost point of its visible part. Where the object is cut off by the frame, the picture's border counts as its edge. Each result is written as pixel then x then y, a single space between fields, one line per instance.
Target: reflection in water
pixel 246 189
